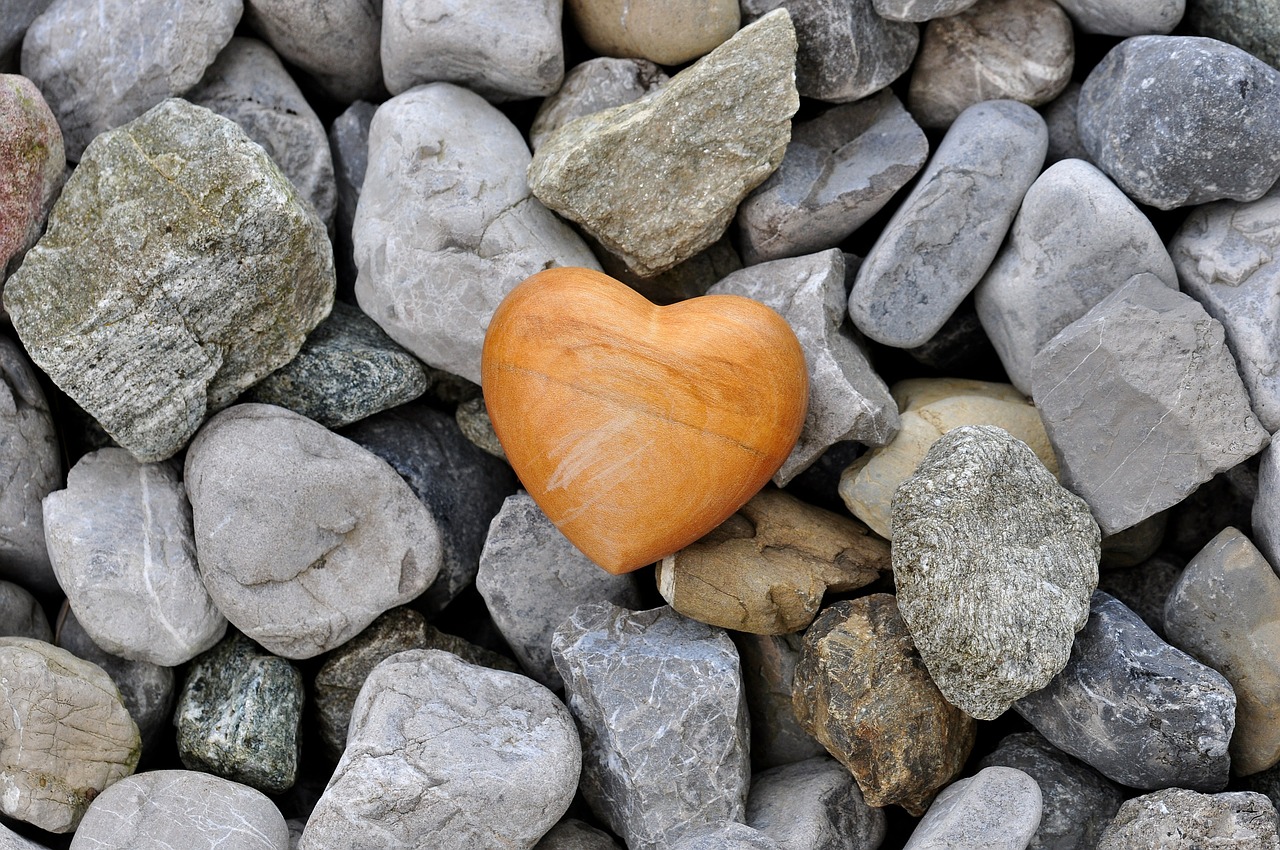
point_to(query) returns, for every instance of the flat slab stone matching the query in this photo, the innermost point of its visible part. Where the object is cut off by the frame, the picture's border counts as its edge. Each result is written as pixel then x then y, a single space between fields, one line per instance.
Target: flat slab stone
pixel 813 804
pixel 595 85
pixel 999 809
pixel 32 159
pixel 337 43
pixel 1187 820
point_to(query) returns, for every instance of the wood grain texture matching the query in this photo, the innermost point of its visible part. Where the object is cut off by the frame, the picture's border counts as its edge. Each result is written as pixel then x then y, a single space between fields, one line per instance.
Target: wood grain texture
pixel 638 428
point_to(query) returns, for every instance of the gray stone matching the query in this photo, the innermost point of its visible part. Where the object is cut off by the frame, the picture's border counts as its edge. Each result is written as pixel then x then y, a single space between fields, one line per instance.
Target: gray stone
pixel 10 840
pixel 571 834
pixel 846 50
pixel 296 827
pixel 1076 239
pixel 939 243
pixel 32 160
pixel 238 715
pixel 1266 507
pixel 469 756
pixel 1142 402
pixel 1135 544
pixel 103 65
pixel 670 32
pixel 1253 25
pixel 847 399
pixel 18 15
pixel 122 546
pixel 303 537
pixel 839 170
pixel 920 10
pixel 532 578
pixel 768 671
pixel 347 369
pixel 1179 819
pixel 473 421
pixel 1144 588
pixel 337 43
pixel 813 805
pixel 1064 133
pixel 680 761
pixel 994 562
pixel 179 268
pixel 998 809
pixel 501 49
pixel 714 132
pixel 1179 120
pixel 688 279
pixel 1137 17
pixel 446 226
pixel 593 86
pixel 1134 708
pixel 1077 801
pixel 349 147
pixel 21 614
pixel 64 734
pixel 165 809
pixel 724 836
pixel 248 84
pixel 960 346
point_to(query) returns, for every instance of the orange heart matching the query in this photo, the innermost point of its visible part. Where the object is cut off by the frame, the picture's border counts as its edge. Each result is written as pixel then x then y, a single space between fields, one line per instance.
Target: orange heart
pixel 637 428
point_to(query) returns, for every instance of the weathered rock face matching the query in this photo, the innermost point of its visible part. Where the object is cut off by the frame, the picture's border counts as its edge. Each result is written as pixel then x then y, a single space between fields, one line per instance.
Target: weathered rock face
pixel 595 85
pixel 1187 820
pixel 861 689
pixel 32 161
pixel 470 756
pixel 670 32
pixel 1141 17
pixel 179 268
pixel 714 132
pixel 680 762
pixel 998 809
pixel 336 42
pixel 64 737
pixel 812 804
pixel 768 672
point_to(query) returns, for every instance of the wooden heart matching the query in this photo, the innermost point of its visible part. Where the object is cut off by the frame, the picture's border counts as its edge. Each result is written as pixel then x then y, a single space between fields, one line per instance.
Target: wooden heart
pixel 637 428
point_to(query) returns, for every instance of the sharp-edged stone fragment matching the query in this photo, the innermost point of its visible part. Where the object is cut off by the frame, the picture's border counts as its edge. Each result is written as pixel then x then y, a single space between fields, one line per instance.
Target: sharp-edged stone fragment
pixel 812 805
pixel 998 809
pixel 1252 25
pixel 336 42
pixel 939 243
pixel 32 161
pixel 1144 588
pixel 1179 819
pixel 920 10
pixel 573 834
pixel 714 132
pixel 349 147
pixel 21 614
pixel 768 672
pixel 680 761
pixel 670 32
pixel 1142 402
pixel 724 836
pixel 1137 17
pixel 1060 116
pixel 592 86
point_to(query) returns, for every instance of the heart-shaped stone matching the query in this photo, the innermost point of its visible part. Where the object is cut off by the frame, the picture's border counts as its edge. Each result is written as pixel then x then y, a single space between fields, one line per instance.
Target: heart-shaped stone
pixel 637 428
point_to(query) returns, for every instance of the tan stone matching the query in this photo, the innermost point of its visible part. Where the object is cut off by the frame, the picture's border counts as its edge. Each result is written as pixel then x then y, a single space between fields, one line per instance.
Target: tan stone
pixel 669 32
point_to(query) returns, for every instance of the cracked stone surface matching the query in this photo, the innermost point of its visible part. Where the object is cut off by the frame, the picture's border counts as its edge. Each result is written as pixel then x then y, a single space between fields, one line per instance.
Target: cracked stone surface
pixel 165 809
pixel 681 759
pixel 813 804
pixel 768 670
pixel 32 159
pixel 593 86
pixel 337 42
pixel 65 735
pixel 302 536
pixel 470 756
pixel 446 225
pixel 1186 820
pixel 1142 402
pixel 122 546
pixel 998 809
pixel 847 399
pixel 21 614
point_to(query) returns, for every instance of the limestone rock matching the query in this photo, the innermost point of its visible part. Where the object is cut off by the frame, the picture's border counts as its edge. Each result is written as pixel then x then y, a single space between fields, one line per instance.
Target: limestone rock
pixel 920 10
pixel 337 43
pixel 446 226
pixel 680 761
pixel 1251 25
pixel 597 84
pixel 572 834
pixel 1139 17
pixel 32 161
pixel 847 399
pixel 1165 407
pixel 998 809
pixel 663 31
pixel 714 132
pixel 1180 819
pixel 1064 133
pixel 21 614
pixel 438 747
pixel 811 805
pixel 768 672
pixel 349 147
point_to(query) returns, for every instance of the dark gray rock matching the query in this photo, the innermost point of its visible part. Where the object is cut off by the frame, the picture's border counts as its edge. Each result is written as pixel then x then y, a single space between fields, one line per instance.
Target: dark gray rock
pixel 571 834
pixel 1135 544
pixel 998 809
pixel 1064 131
pixel 813 805
pixel 21 614
pixel 768 672
pixel 473 421
pixel 1136 17
pixel 1225 500
pixel 1178 819
pixel 724 836
pixel 592 86
pixel 1144 588
pixel 336 42
pixel 349 148
pixel 18 15
pixel 1266 506
pixel 1252 25
pixel 1136 709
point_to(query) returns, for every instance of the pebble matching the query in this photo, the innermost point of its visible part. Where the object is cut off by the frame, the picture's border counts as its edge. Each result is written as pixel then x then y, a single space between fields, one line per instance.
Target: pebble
pixel 669 32
pixel 438 747
pixel 303 537
pixel 18 15
pixel 1180 819
pixel 572 834
pixel 1253 25
pixel 847 399
pixel 997 809
pixel 595 85
pixel 813 805
pixel 940 241
pixel 1076 240
pixel 766 569
pixel 1142 402
pixel 1144 589
pixel 65 735
pixel 724 836
pixel 101 66
pixel 462 487
pixel 768 670
pixel 862 690
pixel 446 225
pixel 839 170
pixel 336 43
pixel 532 578
pixel 349 148
pixel 1139 17
pixel 21 614
pixel 1134 708
pixel 474 423
pixel 1064 133
pixel 32 161
pixel 164 809
pixel 714 132
pixel 123 549
pixel 1019 50
pixel 501 49
pixel 920 10
pixel 681 759
pixel 1180 120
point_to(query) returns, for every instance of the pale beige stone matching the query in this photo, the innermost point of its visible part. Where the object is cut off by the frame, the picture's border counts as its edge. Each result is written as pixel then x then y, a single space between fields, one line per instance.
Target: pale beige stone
pixel 669 32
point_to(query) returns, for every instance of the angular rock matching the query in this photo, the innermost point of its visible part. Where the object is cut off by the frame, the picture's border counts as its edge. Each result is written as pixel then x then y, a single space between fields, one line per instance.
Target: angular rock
pixel 993 602
pixel 474 423
pixel 862 690
pixel 18 15
pixel 766 568
pixel 847 399
pixel 920 10
pixel 1134 708
pixel 438 747
pixel 598 84
pixel 768 670
pixel 838 171
pixel 101 66
pixel 1139 17
pixel 179 268
pixel 349 147
pixel 1064 134
pixel 1252 25
pixel 32 161
pixel 1185 820
pixel 1165 407
pixel 939 243
pixel 446 225
pixel 1180 120
pixel 501 49
pixel 998 809
pixel 663 31
pixel 811 805
pixel 303 537
pixel 64 735
pixel 337 43
pixel 165 809
pixel 724 836
pixel 714 132
pixel 21 614
pixel 571 834
pixel 1076 239
pixel 1144 589
pixel 680 761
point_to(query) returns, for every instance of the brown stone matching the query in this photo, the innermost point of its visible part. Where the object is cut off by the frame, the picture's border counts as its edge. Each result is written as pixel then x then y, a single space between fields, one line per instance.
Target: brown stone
pixel 669 32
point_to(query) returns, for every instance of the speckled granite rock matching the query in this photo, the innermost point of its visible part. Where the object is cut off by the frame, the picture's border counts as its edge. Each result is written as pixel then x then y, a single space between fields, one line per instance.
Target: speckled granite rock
pixel 811 805
pixel 1138 17
pixel 1180 819
pixel 32 160
pixel 592 86
pixel 1252 25
pixel 21 614
pixel 768 671
pixel 998 809
pixel 337 43
pixel 670 32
